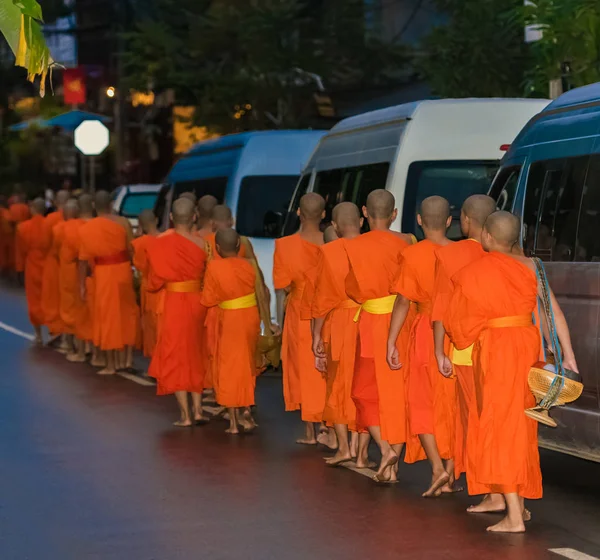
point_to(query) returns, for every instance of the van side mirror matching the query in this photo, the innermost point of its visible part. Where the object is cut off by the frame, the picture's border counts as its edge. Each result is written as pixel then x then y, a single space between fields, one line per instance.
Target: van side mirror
pixel 273 223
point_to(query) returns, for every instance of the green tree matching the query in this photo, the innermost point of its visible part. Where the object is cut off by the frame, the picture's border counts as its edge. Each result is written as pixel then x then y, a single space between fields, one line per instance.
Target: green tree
pixel 479 51
pixel 570 35
pixel 254 64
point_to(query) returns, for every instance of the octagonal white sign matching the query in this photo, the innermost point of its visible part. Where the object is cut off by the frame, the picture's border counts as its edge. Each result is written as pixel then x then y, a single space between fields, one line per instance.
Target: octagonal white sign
pixel 91 138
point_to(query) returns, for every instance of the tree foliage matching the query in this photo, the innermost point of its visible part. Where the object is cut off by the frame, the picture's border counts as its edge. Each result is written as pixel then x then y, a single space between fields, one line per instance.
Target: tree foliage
pixel 478 52
pixel 256 63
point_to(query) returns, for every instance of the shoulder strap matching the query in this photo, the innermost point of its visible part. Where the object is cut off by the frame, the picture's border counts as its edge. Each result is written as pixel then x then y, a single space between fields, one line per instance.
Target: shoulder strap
pixel 413 238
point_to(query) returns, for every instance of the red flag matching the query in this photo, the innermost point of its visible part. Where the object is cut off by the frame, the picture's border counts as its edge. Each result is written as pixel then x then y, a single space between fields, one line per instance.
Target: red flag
pixel 74 86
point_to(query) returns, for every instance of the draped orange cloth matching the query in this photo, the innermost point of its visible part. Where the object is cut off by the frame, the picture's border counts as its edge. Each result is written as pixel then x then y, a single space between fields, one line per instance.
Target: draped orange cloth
pixel 339 332
pixel 50 286
pixel 303 385
pixel 115 312
pixel 150 302
pixel 505 454
pixel 16 214
pixel 377 391
pixel 450 259
pixel 431 397
pixel 31 249
pixel 237 330
pixel 19 212
pixel 70 300
pixel 178 363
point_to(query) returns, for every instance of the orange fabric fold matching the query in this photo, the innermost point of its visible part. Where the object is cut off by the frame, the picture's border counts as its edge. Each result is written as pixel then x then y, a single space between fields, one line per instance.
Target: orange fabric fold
pixel 50 282
pixel 508 322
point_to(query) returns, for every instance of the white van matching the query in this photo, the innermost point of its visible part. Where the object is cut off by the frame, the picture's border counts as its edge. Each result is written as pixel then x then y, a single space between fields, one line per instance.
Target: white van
pixel 130 200
pixel 448 147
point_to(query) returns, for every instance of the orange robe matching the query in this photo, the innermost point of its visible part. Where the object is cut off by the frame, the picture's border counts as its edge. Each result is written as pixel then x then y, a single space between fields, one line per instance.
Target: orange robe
pixel 115 311
pixel 149 301
pixel 497 286
pixel 339 332
pixel 450 259
pixel 71 305
pixel 431 397
pixel 178 363
pixel 377 391
pixel 31 249
pixel 17 213
pixel 50 285
pixel 237 330
pixel 6 241
pixel 303 385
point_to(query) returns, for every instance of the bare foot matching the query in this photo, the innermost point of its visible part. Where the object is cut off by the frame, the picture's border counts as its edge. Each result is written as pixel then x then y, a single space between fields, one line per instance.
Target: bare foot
pixel 365 463
pixel 75 358
pixel 98 362
pixel 387 460
pixel 489 504
pixel 388 476
pixel 526 515
pixel 183 424
pixel 307 441
pixel 247 425
pixel 507 526
pixel 451 487
pixel 200 420
pixel 247 416
pixel 62 350
pixel 232 431
pixel 338 459
pixel 328 439
pixel 436 484
pixel 106 371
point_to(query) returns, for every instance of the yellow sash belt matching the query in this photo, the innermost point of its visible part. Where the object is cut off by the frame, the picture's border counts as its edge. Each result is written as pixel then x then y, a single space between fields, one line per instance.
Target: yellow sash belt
pixel 188 286
pixel 378 306
pixel 243 302
pixel 462 357
pixel 512 321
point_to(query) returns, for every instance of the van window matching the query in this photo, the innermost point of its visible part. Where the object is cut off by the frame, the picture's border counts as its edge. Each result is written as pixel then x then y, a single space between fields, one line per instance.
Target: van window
pixel 215 186
pixel 351 184
pixel 588 240
pixel 552 205
pixel 260 195
pixel 134 203
pixel 161 204
pixel 454 180
pixel 292 222
pixel 504 189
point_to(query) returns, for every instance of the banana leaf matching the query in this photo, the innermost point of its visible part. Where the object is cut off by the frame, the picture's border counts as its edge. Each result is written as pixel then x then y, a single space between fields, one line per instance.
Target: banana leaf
pixel 20 23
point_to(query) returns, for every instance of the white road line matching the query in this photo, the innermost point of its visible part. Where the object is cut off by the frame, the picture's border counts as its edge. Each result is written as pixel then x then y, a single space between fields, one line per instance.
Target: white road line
pixel 572 554
pixel 136 379
pixel 18 332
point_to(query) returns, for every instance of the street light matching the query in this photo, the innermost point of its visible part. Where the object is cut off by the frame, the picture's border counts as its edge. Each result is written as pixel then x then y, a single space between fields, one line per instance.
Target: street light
pixel 110 92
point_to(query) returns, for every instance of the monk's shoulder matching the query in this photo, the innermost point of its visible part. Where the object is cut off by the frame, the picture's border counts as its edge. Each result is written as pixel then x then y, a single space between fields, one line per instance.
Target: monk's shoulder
pixel 287 242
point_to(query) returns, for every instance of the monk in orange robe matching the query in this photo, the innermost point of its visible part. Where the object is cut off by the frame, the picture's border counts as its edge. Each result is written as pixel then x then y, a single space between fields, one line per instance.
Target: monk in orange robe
pixel 449 260
pixel 303 385
pixel 18 211
pixel 68 270
pixel 431 396
pixel 149 301
pixel 335 334
pixel 377 392
pixel 492 306
pixel 229 286
pixel 177 263
pixel 31 249
pixel 73 310
pixel 204 211
pixel 106 248
pixel 50 283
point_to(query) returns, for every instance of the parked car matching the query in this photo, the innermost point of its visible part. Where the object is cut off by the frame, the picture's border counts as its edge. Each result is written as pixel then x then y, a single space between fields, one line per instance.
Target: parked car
pixel 551 178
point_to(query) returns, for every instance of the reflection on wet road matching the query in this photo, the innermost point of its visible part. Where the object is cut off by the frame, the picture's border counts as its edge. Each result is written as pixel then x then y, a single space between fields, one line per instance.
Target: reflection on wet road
pixel 91 469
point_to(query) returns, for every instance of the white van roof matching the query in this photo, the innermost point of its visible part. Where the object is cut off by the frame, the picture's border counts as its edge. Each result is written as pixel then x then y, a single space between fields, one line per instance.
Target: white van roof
pixel 410 110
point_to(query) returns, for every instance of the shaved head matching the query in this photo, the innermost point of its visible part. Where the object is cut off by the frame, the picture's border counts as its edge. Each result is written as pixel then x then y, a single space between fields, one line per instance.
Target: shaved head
pixel 103 202
pixel 227 242
pixel 330 234
pixel 38 206
pixel 346 214
pixel 147 220
pixel 61 198
pixel 71 209
pixel 183 212
pixel 312 206
pixel 380 204
pixel 504 228
pixel 434 213
pixel 478 208
pixel 221 217
pixel 86 204
pixel 205 207
pixel 189 195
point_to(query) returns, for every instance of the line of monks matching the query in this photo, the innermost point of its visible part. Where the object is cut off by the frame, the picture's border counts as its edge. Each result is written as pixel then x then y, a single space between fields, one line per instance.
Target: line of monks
pixel 423 347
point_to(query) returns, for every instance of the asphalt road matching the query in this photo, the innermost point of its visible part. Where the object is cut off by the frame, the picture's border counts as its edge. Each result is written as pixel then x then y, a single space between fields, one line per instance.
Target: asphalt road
pixel 90 468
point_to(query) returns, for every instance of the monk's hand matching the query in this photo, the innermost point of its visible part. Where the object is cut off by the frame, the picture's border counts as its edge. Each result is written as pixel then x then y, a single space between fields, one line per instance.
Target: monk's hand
pixel 275 329
pixel 319 348
pixel 393 358
pixel 570 363
pixel 321 365
pixel 444 365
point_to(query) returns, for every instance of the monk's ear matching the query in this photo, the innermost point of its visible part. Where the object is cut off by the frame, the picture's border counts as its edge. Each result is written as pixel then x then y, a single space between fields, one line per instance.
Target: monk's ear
pixel 448 222
pixel 364 211
pixel 419 220
pixel 323 214
pixel 298 212
pixel 171 216
pixel 394 214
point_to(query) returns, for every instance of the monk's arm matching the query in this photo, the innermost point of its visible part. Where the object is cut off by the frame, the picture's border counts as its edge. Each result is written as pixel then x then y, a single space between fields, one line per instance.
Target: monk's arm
pixel 564 337
pixel 281 296
pixel 444 363
pixel 252 255
pixel 401 307
pixel 317 327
